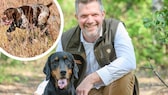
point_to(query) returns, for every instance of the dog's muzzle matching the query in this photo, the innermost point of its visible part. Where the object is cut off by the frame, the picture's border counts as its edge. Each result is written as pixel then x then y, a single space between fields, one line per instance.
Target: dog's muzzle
pixel 5 20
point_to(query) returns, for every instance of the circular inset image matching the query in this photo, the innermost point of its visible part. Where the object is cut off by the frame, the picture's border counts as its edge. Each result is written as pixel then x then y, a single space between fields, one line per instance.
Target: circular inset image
pixel 29 29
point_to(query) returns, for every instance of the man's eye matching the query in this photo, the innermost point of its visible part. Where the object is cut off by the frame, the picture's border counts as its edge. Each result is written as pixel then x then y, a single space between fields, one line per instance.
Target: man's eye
pixel 95 15
pixel 83 16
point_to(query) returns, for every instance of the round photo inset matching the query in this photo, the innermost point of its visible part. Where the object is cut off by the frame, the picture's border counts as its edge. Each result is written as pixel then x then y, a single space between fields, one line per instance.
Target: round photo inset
pixel 30 29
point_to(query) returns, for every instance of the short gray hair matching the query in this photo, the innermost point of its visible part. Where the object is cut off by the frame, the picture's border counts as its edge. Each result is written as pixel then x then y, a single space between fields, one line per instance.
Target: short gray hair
pixel 86 2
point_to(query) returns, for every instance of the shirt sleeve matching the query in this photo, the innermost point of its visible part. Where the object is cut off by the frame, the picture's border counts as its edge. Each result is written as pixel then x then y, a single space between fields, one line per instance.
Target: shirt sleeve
pixel 125 61
pixel 59 46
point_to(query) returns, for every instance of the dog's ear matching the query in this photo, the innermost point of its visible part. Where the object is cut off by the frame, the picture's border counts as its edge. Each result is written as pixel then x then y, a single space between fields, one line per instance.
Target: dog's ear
pixel 75 67
pixel 47 69
pixel 75 70
pixel 15 13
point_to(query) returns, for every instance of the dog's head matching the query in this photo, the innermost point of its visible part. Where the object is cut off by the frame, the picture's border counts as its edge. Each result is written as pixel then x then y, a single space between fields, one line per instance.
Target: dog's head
pixel 9 15
pixel 61 67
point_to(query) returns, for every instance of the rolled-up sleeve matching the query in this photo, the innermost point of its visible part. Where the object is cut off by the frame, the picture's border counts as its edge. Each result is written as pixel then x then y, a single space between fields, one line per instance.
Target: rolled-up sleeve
pixel 125 62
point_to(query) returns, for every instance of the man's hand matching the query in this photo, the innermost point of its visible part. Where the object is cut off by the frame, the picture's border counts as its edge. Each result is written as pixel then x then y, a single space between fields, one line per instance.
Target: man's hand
pixel 87 84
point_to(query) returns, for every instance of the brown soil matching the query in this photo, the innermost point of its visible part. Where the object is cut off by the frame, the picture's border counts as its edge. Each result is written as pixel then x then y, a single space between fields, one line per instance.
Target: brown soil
pixel 148 86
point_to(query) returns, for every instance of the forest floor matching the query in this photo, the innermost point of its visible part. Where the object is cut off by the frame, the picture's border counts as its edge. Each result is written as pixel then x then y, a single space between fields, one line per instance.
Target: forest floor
pixel 148 85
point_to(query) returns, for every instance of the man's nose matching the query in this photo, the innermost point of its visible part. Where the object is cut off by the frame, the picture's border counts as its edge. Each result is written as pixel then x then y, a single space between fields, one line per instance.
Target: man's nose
pixel 90 19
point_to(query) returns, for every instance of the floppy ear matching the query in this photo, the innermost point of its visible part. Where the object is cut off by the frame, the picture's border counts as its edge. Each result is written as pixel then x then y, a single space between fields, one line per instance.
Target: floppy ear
pixel 46 69
pixel 75 67
pixel 14 13
pixel 75 70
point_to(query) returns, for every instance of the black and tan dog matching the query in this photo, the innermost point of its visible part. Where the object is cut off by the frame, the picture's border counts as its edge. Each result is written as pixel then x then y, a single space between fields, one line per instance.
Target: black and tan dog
pixel 61 71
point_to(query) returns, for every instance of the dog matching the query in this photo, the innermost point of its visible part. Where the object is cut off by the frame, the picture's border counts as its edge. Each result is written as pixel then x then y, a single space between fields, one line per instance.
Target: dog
pixel 61 71
pixel 26 17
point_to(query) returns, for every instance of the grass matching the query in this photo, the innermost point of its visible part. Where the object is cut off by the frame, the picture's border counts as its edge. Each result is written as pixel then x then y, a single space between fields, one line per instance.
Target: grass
pixel 20 77
pixel 13 71
pixel 19 46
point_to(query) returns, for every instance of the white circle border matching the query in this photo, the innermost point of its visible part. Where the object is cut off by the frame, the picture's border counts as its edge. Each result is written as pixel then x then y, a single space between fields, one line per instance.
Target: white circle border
pixel 50 49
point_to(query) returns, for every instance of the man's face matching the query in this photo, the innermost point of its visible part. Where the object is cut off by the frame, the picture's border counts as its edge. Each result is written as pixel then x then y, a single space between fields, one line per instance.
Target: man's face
pixel 90 18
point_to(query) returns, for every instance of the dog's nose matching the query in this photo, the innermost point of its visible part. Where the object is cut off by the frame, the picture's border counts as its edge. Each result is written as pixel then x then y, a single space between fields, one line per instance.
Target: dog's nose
pixel 63 73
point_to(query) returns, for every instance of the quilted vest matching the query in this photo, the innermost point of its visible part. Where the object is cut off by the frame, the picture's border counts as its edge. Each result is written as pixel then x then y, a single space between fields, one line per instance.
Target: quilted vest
pixel 103 49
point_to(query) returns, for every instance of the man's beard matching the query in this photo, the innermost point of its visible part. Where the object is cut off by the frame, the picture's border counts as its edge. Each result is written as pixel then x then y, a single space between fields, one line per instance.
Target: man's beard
pixel 94 35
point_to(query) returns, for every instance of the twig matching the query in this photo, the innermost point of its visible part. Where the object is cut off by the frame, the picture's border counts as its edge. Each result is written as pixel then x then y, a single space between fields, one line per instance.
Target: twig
pixel 157 74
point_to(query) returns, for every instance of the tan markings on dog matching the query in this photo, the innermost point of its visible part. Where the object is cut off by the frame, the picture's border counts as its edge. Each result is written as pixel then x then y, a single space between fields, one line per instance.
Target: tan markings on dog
pixel 56 58
pixel 78 62
pixel 56 73
pixel 70 72
pixel 65 57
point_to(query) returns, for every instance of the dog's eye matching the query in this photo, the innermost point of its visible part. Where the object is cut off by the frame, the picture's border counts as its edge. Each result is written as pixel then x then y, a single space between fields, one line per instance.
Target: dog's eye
pixel 69 65
pixel 54 65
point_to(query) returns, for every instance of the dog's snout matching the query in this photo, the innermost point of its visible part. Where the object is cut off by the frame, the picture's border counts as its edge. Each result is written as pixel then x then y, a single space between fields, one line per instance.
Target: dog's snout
pixel 63 73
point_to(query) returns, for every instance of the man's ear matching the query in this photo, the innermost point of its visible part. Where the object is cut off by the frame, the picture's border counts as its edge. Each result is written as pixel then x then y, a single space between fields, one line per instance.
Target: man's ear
pixel 103 14
pixel 76 16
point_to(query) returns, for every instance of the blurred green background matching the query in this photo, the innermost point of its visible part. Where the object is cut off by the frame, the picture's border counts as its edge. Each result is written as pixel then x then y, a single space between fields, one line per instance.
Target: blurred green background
pixel 148 29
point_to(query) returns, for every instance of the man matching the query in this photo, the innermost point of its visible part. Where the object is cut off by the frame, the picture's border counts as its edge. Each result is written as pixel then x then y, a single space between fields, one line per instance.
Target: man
pixel 108 70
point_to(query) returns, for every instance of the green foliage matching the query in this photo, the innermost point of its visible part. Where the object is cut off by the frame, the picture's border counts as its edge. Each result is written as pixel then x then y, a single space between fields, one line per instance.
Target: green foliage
pixel 132 13
pixel 68 8
pixel 3 57
pixel 5 69
pixel 9 69
pixel 6 60
pixel 158 24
